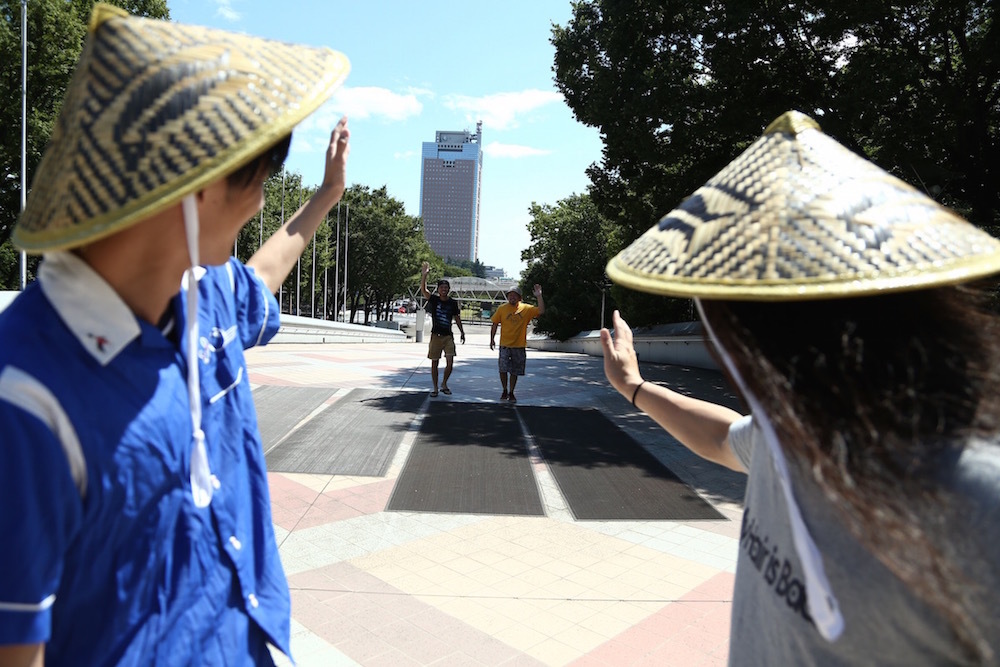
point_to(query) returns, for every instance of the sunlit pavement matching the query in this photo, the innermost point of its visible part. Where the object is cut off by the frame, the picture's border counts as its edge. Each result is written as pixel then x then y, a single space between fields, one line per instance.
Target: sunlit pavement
pixel 371 587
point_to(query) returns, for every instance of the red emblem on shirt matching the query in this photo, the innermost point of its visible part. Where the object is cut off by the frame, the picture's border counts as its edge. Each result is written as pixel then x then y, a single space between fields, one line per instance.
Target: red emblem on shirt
pixel 101 341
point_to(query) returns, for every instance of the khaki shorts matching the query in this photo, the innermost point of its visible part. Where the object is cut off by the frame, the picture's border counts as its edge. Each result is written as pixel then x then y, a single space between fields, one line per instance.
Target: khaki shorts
pixel 441 344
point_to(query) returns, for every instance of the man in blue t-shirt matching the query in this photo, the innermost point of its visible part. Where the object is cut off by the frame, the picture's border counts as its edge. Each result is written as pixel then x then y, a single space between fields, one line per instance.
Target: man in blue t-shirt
pixel 142 533
pixel 442 309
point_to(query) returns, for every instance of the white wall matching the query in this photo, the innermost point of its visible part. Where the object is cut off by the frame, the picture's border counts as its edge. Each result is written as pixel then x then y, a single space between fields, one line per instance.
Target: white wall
pixel 677 349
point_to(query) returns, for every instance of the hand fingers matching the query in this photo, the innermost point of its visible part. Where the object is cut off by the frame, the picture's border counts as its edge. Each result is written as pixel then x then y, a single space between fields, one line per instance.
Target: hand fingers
pixel 607 343
pixel 623 334
pixel 341 135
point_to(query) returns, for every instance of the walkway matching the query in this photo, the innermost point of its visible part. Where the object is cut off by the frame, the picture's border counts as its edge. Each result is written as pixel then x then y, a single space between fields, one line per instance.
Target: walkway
pixel 371 587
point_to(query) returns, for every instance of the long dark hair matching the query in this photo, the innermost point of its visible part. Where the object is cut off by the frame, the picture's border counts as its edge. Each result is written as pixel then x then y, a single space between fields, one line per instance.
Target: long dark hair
pixel 876 396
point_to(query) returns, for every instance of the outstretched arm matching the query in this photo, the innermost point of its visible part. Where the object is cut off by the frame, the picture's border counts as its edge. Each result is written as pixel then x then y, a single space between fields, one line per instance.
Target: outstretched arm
pixel 278 255
pixel 700 426
pixel 424 270
pixel 541 301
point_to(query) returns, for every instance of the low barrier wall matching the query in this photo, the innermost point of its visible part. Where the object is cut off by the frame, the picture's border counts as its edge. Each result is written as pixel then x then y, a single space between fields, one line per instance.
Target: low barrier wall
pixel 675 344
pixel 296 329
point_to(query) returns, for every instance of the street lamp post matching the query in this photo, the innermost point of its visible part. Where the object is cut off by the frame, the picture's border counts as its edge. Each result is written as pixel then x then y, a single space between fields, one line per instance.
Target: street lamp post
pixel 604 290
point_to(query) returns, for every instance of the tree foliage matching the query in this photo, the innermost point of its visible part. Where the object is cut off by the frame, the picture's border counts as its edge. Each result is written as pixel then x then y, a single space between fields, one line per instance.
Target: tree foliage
pixel 386 248
pixel 566 257
pixel 472 267
pixel 679 89
pixel 56 30
pixel 369 234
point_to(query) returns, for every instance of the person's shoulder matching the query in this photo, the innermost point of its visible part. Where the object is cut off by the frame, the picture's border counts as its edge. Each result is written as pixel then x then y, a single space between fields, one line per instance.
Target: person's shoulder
pixel 29 321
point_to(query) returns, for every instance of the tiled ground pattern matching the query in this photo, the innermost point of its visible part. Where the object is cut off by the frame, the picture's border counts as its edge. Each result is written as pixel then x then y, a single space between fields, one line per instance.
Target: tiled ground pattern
pixel 371 587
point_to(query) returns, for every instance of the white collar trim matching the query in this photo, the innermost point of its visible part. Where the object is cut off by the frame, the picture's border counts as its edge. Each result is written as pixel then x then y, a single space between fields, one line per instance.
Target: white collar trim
pixel 88 305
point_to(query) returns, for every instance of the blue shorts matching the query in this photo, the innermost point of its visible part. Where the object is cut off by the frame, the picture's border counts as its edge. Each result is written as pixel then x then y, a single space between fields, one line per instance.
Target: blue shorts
pixel 512 360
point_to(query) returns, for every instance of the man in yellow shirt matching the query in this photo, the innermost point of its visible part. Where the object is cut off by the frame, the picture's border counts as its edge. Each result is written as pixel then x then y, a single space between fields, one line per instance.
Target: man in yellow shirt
pixel 513 317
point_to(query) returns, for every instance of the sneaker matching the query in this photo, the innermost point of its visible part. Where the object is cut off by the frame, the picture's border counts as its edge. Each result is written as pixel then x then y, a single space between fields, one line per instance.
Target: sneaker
pixel 503 396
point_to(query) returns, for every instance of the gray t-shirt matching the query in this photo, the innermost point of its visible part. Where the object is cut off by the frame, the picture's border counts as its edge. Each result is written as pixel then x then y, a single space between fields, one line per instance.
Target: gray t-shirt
pixel 884 623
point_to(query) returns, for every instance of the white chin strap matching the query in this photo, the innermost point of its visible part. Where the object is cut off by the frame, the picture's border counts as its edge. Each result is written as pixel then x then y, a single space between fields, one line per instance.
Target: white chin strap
pixel 201 475
pixel 822 603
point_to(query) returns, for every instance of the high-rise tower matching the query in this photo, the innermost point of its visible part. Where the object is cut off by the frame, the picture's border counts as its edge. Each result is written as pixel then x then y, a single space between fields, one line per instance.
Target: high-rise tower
pixel 450 181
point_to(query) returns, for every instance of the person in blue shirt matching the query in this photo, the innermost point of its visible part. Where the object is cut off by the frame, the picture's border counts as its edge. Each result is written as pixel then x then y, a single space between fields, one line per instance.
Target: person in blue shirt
pixel 136 516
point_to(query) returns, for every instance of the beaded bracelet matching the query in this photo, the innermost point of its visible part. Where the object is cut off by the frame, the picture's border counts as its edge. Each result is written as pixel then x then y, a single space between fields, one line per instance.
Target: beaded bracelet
pixel 636 393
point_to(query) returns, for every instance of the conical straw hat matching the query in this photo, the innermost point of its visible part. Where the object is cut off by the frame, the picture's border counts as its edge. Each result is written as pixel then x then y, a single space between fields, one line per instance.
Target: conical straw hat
pixel 797 216
pixel 157 110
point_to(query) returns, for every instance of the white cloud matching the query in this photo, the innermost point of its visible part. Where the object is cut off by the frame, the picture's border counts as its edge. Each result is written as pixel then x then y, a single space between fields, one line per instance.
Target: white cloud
pixel 496 149
pixel 371 102
pixel 226 11
pixel 501 111
pixel 313 134
pixel 404 155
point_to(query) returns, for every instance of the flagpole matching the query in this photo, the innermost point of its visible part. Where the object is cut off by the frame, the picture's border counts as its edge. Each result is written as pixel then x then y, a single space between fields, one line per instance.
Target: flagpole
pixel 281 288
pixel 24 128
pixel 298 271
pixel 326 272
pixel 336 272
pixel 347 238
pixel 312 283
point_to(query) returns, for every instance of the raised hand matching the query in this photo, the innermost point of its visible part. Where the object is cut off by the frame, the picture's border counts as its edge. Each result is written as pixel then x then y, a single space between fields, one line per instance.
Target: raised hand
pixel 621 366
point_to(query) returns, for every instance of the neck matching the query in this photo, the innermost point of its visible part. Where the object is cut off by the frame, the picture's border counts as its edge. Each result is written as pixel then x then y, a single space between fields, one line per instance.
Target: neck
pixel 143 263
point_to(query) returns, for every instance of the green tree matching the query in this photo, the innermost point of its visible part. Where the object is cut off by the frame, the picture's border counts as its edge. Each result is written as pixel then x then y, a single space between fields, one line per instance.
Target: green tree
pixel 56 30
pixel 470 266
pixel 566 257
pixel 385 250
pixel 679 89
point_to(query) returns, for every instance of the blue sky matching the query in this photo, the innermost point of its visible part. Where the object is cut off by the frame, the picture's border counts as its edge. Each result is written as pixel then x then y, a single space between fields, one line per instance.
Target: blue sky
pixel 418 66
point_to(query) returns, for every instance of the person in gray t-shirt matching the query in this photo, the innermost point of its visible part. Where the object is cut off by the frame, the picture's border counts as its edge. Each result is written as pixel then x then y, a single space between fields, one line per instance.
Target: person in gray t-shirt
pixel 831 293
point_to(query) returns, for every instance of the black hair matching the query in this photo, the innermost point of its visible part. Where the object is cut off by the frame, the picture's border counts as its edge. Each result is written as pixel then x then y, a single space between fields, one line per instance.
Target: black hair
pixel 875 397
pixel 445 283
pixel 268 163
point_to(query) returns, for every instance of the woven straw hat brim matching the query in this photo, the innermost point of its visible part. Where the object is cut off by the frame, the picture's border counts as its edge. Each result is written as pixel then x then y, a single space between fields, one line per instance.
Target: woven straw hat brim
pixel 797 216
pixel 158 110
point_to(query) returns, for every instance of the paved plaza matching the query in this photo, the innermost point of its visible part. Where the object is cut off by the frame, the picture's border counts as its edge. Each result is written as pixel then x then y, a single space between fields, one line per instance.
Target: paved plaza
pixel 377 587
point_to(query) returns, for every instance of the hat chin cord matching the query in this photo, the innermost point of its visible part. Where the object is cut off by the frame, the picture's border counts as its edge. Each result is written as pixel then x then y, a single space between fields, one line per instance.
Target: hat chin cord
pixel 201 474
pixel 823 605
